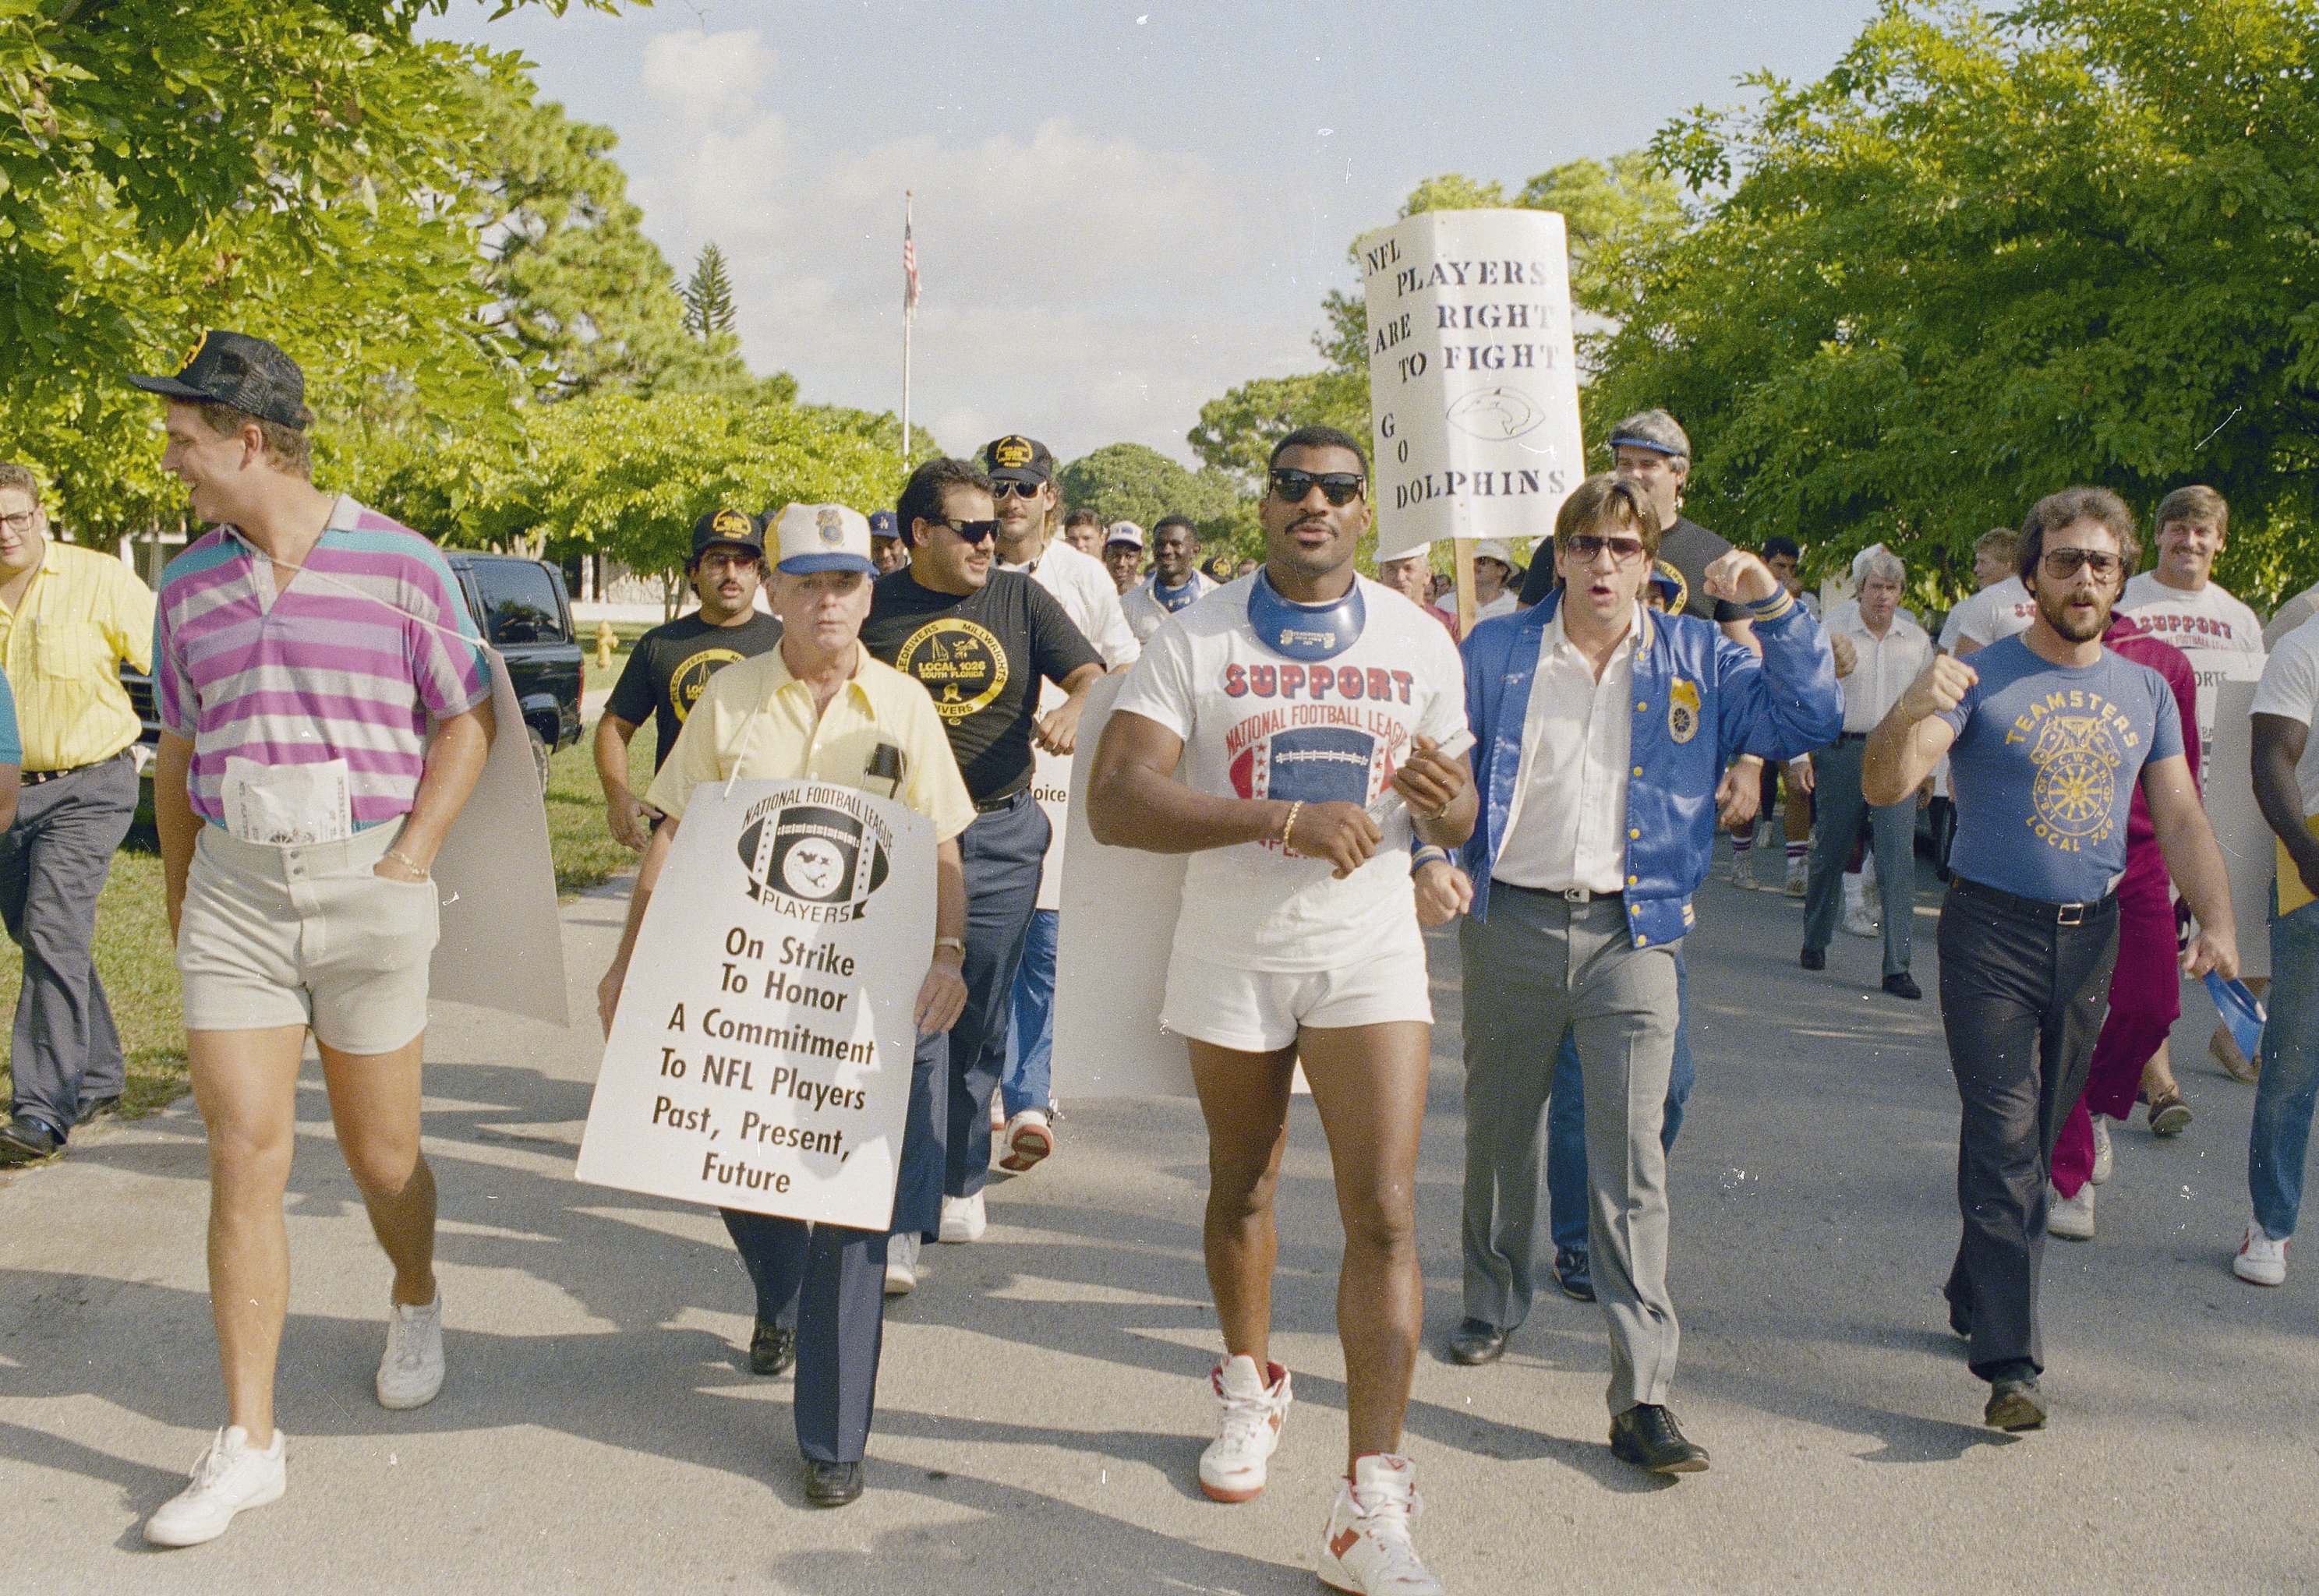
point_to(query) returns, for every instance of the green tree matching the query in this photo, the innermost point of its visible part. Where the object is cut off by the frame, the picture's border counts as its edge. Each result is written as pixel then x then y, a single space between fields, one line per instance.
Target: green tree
pixel 1990 254
pixel 1128 481
pixel 708 295
pixel 1236 433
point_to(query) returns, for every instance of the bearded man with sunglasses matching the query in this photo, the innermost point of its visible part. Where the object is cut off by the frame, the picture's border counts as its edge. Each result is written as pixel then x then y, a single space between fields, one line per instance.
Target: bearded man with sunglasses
pixel 1603 732
pixel 978 639
pixel 2048 735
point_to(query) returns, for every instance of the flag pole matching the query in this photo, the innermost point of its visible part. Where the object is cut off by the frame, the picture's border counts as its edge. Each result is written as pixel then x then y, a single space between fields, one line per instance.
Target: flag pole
pixel 910 315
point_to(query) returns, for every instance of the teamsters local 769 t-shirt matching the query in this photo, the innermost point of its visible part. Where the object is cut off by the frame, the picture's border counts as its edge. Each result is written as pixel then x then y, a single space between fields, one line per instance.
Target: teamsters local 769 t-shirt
pixel 1256 725
pixel 2045 766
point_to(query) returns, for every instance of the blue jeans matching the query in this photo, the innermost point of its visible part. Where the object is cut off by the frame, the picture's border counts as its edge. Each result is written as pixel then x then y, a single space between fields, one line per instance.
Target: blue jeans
pixel 1566 1123
pixel 2288 1087
pixel 1031 1041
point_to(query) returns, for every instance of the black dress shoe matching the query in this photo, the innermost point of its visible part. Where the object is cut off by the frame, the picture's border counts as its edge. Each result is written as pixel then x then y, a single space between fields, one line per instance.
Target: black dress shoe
pixel 1575 1271
pixel 771 1348
pixel 1476 1341
pixel 97 1108
pixel 2013 1405
pixel 1646 1435
pixel 1903 985
pixel 831 1484
pixel 1814 959
pixel 27 1141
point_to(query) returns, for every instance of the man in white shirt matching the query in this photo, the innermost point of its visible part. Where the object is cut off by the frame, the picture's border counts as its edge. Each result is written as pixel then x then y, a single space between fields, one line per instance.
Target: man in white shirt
pixel 1028 509
pixel 1123 555
pixel 2000 606
pixel 2176 600
pixel 1493 570
pixel 1889 651
pixel 1293 699
pixel 1175 582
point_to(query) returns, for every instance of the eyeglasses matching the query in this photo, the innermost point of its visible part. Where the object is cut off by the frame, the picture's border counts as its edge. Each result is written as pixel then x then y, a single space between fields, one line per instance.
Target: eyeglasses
pixel 1583 547
pixel 22 521
pixel 720 560
pixel 2062 563
pixel 1015 489
pixel 972 531
pixel 1291 486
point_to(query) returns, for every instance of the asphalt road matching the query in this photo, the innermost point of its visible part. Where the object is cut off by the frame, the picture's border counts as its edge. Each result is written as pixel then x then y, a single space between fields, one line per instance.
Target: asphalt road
pixel 1044 1401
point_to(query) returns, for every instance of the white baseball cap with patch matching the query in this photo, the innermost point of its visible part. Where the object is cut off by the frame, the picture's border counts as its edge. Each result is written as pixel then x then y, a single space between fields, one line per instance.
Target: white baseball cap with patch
pixel 1123 532
pixel 822 538
pixel 1491 548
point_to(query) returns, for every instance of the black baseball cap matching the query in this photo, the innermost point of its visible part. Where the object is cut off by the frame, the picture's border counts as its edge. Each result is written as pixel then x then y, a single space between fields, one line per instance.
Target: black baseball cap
pixel 247 373
pixel 725 525
pixel 1018 459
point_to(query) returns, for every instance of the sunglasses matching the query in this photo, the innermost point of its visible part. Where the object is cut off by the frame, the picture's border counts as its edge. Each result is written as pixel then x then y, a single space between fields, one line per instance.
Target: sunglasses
pixel 1583 547
pixel 1291 486
pixel 972 531
pixel 1015 489
pixel 2060 563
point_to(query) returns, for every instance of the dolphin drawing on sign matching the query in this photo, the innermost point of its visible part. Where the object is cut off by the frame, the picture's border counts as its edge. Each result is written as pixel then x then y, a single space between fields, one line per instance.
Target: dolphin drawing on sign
pixel 1496 414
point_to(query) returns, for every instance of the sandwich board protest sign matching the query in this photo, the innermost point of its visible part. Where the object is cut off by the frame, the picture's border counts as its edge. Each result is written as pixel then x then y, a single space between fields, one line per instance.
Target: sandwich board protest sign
pixel 760 1055
pixel 502 943
pixel 1473 379
pixel 2226 684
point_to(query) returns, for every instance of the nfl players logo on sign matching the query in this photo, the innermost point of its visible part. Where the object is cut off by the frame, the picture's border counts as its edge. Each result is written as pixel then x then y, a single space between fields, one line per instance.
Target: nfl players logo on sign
pixel 814 862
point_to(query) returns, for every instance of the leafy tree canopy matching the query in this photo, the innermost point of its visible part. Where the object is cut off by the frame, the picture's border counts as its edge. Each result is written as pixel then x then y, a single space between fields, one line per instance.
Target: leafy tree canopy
pixel 1128 481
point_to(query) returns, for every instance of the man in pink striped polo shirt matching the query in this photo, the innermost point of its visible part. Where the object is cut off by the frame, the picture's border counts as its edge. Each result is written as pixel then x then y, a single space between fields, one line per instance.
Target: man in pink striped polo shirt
pixel 300 651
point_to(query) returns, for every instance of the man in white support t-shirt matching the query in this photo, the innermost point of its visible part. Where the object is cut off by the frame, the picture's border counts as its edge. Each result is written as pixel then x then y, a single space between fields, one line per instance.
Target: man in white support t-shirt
pixel 1028 509
pixel 1294 699
pixel 1175 582
pixel 2178 600
pixel 1999 606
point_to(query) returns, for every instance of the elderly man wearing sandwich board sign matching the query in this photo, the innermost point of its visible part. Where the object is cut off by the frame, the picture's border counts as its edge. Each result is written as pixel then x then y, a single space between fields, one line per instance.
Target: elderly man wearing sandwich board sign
pixel 799 998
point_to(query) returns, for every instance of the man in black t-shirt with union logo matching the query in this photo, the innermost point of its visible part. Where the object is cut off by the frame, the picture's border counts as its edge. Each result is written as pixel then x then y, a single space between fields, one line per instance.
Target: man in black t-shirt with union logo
pixel 980 639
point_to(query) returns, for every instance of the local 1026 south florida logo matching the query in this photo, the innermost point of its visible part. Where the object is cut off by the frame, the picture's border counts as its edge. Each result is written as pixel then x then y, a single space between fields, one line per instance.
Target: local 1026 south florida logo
pixel 819 853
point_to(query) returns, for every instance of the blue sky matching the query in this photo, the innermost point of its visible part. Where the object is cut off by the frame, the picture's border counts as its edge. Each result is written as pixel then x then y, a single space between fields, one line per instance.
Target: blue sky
pixel 1122 210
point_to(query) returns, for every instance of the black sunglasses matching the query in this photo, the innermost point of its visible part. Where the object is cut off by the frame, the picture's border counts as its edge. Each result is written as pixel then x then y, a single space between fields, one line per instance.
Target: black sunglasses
pixel 972 531
pixel 2060 563
pixel 1583 547
pixel 1011 489
pixel 1290 485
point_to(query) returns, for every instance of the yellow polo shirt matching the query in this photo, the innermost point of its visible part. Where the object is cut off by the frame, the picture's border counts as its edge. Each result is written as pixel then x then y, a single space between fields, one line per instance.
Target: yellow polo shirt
pixel 81 615
pixel 756 721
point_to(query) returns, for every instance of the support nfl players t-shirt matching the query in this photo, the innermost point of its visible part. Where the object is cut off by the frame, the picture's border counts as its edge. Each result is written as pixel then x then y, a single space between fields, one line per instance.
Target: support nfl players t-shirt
pixel 673 663
pixel 1255 725
pixel 979 657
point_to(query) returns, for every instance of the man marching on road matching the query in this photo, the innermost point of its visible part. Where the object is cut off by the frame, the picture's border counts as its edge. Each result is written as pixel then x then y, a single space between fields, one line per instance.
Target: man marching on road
pixel 303 647
pixel 2048 735
pixel 1123 555
pixel 1176 580
pixel 1603 732
pixel 1294 697
pixel 70 618
pixel 673 663
pixel 818 708
pixel 1028 507
pixel 978 640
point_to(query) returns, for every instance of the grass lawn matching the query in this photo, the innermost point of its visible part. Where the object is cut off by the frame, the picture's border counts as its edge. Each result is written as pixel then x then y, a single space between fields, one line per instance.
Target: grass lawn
pixel 132 926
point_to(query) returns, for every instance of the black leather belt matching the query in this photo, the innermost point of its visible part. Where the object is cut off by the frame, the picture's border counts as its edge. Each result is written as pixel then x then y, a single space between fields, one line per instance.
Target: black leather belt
pixel 2033 908
pixel 34 778
pixel 993 806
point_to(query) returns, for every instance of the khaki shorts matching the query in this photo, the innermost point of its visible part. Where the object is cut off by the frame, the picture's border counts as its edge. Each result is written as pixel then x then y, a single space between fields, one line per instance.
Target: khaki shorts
pixel 306 936
pixel 1256 1011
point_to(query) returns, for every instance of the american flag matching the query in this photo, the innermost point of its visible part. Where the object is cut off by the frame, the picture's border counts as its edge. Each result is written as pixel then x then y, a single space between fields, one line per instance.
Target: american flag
pixel 909 270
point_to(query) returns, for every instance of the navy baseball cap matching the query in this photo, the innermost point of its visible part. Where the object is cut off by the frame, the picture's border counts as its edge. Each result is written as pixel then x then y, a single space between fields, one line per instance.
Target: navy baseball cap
pixel 235 369
pixel 882 524
pixel 736 528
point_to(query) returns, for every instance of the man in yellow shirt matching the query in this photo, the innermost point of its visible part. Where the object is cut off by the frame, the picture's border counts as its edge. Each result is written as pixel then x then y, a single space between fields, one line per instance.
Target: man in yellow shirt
pixel 69 618
pixel 819 707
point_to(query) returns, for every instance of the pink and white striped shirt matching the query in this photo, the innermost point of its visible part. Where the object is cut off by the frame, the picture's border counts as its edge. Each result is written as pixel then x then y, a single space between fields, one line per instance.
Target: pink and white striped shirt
pixel 315 671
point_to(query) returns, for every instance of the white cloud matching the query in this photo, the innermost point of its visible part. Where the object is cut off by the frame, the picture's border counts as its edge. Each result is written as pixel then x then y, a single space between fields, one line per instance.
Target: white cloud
pixel 703 75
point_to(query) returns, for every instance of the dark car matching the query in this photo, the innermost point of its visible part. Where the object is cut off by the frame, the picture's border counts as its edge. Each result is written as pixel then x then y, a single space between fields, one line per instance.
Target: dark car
pixel 524 612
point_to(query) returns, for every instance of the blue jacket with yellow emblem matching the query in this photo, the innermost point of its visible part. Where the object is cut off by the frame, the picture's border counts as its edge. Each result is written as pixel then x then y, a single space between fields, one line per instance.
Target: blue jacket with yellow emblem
pixel 1688 679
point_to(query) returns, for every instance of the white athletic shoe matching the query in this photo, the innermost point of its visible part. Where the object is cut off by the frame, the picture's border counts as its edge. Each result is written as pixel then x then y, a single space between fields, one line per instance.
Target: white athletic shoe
pixel 2071 1218
pixel 1366 1546
pixel 964 1219
pixel 1743 872
pixel 1798 876
pixel 230 1474
pixel 2261 1261
pixel 997 1113
pixel 2103 1157
pixel 1233 1467
pixel 412 1371
pixel 902 1264
pixel 1859 922
pixel 1029 1139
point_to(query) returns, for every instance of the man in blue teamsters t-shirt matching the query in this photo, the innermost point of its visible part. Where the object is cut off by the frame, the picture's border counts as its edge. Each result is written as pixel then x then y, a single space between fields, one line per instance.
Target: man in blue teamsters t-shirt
pixel 2046 735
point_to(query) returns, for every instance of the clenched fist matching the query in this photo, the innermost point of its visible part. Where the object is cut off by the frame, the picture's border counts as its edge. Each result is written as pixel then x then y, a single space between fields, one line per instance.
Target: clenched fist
pixel 1941 688
pixel 1741 578
pixel 1848 658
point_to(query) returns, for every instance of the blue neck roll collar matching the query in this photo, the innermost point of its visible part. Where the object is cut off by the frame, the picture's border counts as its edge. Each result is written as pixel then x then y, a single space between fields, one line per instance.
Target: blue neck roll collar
pixel 1172 600
pixel 1306 632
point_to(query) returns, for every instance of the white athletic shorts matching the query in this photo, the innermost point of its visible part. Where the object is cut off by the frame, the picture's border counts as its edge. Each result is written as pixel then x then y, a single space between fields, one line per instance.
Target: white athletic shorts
pixel 1256 1011
pixel 306 935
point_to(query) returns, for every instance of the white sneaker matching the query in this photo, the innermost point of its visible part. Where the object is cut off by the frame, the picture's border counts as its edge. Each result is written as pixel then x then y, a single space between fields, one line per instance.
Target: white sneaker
pixel 1859 922
pixel 2071 1218
pixel 1029 1139
pixel 2103 1157
pixel 1743 872
pixel 997 1113
pixel 1798 876
pixel 902 1264
pixel 1233 1467
pixel 1366 1546
pixel 412 1371
pixel 230 1474
pixel 963 1219
pixel 2261 1261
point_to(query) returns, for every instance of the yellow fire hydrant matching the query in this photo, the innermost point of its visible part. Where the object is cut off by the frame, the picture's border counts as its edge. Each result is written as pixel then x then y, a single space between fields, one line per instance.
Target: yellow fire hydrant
pixel 607 643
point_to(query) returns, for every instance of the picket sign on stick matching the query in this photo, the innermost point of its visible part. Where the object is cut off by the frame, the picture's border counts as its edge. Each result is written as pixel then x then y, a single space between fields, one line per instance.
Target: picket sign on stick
pixel 761 1057
pixel 1473 380
pixel 2226 684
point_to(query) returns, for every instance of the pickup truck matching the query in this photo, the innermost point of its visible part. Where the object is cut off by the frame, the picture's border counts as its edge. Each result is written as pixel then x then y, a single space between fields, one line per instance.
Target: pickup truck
pixel 524 612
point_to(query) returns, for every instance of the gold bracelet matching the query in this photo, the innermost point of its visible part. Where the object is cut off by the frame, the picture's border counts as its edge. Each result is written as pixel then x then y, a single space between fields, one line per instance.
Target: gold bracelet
pixel 955 945
pixel 1288 826
pixel 408 862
